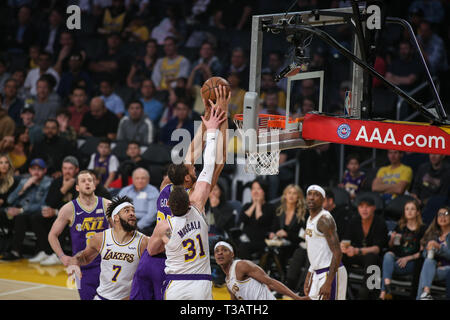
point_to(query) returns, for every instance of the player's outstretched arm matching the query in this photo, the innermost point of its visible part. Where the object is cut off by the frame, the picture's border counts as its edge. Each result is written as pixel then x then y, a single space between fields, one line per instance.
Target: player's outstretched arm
pixel 248 268
pixel 223 100
pixel 159 238
pixel 62 220
pixel 87 255
pixel 200 194
pixel 327 226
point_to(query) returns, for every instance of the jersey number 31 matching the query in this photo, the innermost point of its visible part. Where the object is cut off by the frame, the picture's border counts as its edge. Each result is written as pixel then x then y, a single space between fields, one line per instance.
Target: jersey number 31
pixel 189 244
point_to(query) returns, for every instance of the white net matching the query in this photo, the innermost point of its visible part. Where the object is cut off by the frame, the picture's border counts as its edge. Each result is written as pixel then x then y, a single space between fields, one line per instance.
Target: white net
pixel 262 163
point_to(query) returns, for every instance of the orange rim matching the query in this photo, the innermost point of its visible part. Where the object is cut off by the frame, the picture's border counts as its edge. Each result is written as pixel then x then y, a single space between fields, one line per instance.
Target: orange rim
pixel 270 120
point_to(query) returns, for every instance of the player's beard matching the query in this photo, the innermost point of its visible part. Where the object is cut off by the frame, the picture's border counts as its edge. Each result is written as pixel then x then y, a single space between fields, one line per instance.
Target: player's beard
pixel 126 226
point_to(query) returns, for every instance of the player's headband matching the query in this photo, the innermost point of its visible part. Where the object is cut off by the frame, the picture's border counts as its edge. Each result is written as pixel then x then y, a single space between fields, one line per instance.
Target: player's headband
pixel 225 244
pixel 120 207
pixel 317 188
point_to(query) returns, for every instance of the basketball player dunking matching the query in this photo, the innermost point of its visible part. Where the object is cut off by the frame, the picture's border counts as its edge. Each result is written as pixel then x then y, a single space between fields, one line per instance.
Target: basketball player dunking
pixel 149 277
pixel 85 216
pixel 184 236
pixel 327 277
pixel 120 249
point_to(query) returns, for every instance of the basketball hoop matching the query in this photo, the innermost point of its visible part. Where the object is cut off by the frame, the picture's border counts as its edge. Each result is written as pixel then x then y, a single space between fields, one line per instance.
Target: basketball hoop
pixel 265 161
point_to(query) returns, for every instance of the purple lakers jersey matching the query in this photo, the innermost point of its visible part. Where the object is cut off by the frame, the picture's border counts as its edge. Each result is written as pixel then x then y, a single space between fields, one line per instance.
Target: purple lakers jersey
pixel 85 224
pixel 162 204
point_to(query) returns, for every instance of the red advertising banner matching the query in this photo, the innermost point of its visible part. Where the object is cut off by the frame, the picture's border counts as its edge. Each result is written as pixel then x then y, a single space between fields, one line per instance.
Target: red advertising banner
pixel 406 136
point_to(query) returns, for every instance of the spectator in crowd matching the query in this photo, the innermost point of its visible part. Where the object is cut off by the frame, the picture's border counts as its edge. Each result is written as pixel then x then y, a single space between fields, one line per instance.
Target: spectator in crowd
pixel 136 126
pixel 19 150
pixel 271 104
pixel 289 219
pixel 61 191
pixel 113 102
pixel 8 182
pixel 353 177
pixel 274 67
pixel 19 75
pixel 153 108
pixel 33 56
pixel 180 92
pixel 45 62
pixel 238 64
pixel 11 102
pixel 436 242
pixel 305 105
pixel 432 10
pixel 78 107
pixel 50 32
pixel 46 103
pixel 65 130
pixel 405 71
pixel 231 15
pixel 142 68
pixel 171 25
pixel 74 73
pixel 25 202
pixel 181 120
pixel 404 247
pixel 112 62
pixel 342 214
pixel 100 190
pixel 134 160
pixel 53 149
pixel 4 74
pixel 433 48
pixel 321 162
pixel 68 47
pixel 431 179
pixel 268 84
pixel 114 18
pixel 219 214
pixel 136 30
pixel 257 217
pixel 170 67
pixel 367 234
pixel 99 121
pixel 7 124
pixel 34 130
pixel 207 65
pixel 236 104
pixel 104 162
pixel 144 196
pixel 298 264
pixel 22 32
pixel 394 179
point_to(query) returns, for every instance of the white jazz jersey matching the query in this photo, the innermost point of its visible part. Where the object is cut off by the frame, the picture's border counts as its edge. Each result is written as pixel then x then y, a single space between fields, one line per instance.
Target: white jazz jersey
pixel 118 265
pixel 249 289
pixel 319 253
pixel 188 248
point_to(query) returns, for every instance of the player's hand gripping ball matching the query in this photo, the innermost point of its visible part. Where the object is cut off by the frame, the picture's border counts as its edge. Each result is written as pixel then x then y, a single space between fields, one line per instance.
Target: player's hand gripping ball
pixel 208 92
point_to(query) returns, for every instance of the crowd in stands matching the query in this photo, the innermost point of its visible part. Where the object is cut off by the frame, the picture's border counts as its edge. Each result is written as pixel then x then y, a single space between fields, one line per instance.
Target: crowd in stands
pixel 108 97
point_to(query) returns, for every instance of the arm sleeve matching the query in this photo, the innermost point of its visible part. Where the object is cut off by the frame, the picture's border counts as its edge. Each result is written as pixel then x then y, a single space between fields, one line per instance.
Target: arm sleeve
pixel 209 157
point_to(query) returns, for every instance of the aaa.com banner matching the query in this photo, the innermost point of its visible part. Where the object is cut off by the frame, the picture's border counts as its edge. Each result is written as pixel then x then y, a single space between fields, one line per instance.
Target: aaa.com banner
pixel 422 138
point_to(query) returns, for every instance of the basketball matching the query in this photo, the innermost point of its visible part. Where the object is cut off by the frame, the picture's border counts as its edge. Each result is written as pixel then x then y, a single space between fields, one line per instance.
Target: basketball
pixel 208 91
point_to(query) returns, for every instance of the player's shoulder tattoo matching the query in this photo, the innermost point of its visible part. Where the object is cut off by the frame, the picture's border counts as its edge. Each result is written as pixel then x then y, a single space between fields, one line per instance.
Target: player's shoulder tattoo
pixel 326 224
